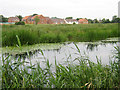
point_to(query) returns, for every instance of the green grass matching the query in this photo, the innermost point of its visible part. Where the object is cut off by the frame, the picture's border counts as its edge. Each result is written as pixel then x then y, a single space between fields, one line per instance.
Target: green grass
pixel 85 74
pixel 34 34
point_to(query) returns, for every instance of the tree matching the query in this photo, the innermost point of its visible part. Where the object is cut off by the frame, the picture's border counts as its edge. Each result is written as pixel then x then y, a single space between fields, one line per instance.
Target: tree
pixel 115 19
pixel 103 20
pixel 34 14
pixel 78 19
pixel 90 21
pixel 20 23
pixel 3 19
pixel 37 20
pixel 20 17
pixel 54 17
pixel 95 21
pixel 69 18
pixel 107 21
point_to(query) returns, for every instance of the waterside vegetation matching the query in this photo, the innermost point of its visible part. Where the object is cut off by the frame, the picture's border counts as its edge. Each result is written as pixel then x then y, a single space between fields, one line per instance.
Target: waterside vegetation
pixel 34 34
pixel 86 74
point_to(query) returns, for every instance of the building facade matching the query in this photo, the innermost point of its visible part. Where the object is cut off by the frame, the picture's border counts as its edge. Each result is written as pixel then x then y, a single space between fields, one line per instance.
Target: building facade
pixel 13 19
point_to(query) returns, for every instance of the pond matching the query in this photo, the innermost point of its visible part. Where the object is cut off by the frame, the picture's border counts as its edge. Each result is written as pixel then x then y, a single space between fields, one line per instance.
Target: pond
pixel 67 52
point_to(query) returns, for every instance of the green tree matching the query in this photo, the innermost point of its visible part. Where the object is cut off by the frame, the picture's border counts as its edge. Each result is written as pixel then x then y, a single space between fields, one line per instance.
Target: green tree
pixel 103 20
pixel 69 18
pixel 115 19
pixel 54 17
pixel 90 21
pixel 37 20
pixel 107 21
pixel 3 19
pixel 95 21
pixel 20 23
pixel 20 17
pixel 34 14
pixel 78 19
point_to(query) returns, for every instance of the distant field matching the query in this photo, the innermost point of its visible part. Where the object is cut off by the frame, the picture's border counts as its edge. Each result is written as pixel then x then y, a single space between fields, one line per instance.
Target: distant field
pixel 33 34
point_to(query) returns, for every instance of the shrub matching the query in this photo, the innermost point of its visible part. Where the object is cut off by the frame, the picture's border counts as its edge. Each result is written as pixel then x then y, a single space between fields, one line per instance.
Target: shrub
pixel 74 23
pixel 20 23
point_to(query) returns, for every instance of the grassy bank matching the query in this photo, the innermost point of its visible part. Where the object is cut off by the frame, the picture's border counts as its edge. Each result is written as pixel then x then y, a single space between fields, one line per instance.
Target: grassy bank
pixel 33 34
pixel 85 74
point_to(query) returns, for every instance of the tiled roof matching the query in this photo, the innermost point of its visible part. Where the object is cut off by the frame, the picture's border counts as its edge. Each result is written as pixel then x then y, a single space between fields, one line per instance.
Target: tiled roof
pixel 26 17
pixel 13 18
pixel 71 20
pixel 37 15
pixel 58 20
pixel 81 20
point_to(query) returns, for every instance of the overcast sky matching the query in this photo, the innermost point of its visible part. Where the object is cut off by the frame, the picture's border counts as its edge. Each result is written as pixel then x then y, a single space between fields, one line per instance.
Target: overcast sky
pixel 61 8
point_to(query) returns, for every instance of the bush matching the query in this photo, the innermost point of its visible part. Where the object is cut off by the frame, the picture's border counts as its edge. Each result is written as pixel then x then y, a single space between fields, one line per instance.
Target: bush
pixel 74 23
pixel 20 23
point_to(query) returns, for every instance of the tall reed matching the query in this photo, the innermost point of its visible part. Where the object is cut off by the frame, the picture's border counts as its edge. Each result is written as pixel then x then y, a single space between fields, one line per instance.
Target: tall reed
pixel 86 74
pixel 32 34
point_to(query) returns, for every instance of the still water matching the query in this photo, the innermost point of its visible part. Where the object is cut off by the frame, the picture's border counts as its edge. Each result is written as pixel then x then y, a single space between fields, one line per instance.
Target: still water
pixel 104 51
pixel 67 52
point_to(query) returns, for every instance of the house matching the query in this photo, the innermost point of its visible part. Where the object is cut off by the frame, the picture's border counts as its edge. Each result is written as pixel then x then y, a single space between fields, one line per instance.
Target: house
pixel 27 19
pixel 48 20
pixel 42 19
pixel 83 21
pixel 13 19
pixel 58 21
pixel 71 21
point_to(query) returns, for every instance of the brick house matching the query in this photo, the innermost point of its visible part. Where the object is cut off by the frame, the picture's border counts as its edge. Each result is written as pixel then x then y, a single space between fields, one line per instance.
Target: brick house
pixel 27 19
pixel 83 21
pixel 49 21
pixel 13 19
pixel 42 19
pixel 71 21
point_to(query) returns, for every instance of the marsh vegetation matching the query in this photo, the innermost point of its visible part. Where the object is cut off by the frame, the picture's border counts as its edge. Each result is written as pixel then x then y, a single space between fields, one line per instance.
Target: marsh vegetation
pixel 19 73
pixel 85 74
pixel 34 34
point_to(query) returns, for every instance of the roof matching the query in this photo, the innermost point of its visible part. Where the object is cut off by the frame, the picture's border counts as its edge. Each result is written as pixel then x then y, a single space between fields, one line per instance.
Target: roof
pixel 37 15
pixel 47 18
pixel 81 20
pixel 15 18
pixel 71 20
pixel 26 17
pixel 58 20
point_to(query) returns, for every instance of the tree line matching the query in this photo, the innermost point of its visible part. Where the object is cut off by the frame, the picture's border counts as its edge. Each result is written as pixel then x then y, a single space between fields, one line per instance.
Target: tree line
pixel 115 19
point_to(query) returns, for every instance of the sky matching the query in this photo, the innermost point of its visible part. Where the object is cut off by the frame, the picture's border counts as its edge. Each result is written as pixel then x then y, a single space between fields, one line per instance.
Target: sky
pixel 61 8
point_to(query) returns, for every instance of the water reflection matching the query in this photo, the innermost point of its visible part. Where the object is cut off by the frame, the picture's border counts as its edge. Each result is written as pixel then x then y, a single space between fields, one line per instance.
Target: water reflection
pixel 68 52
pixel 91 46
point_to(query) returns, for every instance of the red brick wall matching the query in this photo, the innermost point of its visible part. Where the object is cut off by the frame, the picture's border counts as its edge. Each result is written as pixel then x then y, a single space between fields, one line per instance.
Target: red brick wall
pixel 13 19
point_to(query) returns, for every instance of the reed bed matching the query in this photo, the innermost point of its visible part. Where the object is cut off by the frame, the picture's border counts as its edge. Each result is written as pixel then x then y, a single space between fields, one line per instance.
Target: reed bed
pixel 34 34
pixel 86 74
